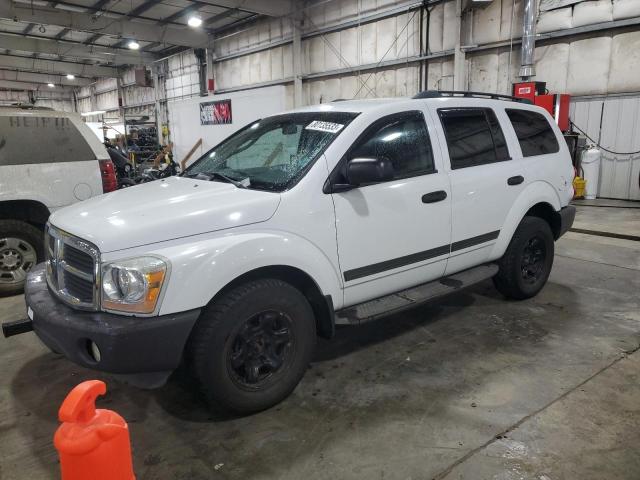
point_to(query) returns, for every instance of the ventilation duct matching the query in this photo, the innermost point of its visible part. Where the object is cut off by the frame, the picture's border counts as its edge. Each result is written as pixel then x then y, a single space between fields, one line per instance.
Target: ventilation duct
pixel 527 68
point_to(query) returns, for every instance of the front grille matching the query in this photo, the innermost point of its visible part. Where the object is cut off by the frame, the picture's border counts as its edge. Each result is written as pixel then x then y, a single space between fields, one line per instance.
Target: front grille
pixel 72 269
pixel 78 259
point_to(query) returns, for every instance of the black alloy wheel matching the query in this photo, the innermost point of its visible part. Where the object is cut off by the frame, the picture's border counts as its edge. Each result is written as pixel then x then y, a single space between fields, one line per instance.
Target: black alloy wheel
pixel 261 348
pixel 533 259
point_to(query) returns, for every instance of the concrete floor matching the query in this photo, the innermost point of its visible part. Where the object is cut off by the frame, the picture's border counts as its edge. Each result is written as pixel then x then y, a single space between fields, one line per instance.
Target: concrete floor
pixel 470 387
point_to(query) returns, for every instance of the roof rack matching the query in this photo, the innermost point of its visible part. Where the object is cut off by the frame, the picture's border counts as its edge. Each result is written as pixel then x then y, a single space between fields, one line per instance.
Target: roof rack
pixel 462 93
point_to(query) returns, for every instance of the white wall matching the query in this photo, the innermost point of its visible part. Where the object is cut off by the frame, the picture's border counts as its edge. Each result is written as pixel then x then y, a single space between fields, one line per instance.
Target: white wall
pixel 246 106
pixel 615 123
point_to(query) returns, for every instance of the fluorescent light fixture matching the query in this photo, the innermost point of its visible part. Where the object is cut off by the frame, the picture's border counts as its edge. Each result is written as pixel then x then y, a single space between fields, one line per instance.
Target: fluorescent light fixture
pixel 70 76
pixel 97 112
pixel 50 85
pixel 194 21
pixel 133 45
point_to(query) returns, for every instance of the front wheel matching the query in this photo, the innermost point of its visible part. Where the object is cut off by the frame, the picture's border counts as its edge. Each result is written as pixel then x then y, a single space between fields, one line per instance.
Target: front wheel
pixel 526 265
pixel 251 347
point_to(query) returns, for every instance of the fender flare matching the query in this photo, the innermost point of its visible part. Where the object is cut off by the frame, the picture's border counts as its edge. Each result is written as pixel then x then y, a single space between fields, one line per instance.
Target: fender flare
pixel 539 192
pixel 201 269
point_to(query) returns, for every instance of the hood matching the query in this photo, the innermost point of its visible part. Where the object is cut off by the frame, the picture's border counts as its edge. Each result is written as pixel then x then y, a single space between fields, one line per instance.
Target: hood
pixel 163 210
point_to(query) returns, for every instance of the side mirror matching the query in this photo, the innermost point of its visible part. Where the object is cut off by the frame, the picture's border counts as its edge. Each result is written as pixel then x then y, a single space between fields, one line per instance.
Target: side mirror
pixel 369 170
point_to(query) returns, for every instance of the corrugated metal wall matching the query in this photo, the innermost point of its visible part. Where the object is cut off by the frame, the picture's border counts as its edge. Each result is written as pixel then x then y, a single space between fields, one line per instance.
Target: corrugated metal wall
pixel 614 122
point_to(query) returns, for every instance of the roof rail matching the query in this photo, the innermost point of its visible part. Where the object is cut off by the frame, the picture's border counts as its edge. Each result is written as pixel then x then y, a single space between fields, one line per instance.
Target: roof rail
pixel 462 93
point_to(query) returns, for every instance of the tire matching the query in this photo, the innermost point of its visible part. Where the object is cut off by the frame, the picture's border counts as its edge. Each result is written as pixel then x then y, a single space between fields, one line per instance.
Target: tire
pixel 244 328
pixel 21 248
pixel 526 265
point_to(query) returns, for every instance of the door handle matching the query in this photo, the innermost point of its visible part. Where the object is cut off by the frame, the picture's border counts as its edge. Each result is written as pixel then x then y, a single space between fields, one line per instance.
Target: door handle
pixel 517 180
pixel 434 197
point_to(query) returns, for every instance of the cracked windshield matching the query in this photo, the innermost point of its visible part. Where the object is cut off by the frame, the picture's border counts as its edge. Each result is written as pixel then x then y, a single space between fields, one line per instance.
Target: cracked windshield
pixel 272 153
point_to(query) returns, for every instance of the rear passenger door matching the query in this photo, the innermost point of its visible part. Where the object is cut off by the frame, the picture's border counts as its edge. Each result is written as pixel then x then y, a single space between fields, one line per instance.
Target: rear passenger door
pixel 485 180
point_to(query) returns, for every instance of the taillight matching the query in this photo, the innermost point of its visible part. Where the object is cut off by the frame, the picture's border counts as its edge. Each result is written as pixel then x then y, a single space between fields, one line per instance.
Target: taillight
pixel 108 173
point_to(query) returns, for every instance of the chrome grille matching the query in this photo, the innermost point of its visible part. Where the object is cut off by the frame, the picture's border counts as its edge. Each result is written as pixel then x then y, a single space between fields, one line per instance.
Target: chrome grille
pixel 72 269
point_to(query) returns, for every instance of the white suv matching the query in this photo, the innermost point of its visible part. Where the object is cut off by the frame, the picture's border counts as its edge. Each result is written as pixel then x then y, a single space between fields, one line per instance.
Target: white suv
pixel 48 160
pixel 331 214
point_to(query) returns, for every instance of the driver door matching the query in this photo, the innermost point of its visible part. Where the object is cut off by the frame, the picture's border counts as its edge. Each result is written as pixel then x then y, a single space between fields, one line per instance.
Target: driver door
pixel 395 234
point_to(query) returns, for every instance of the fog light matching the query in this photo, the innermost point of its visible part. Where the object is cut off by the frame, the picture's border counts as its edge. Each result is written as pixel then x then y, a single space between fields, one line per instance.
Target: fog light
pixel 94 351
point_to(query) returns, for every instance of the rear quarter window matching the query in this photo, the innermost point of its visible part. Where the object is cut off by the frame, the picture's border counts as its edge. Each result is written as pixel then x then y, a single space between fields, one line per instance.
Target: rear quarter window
pixel 32 140
pixel 535 135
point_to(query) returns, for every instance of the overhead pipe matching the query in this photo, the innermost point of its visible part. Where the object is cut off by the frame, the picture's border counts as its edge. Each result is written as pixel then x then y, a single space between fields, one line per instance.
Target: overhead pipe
pixel 528 68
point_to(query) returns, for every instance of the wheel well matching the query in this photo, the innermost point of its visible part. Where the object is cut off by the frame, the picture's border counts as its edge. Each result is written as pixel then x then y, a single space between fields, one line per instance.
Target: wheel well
pixel 546 212
pixel 322 305
pixel 30 211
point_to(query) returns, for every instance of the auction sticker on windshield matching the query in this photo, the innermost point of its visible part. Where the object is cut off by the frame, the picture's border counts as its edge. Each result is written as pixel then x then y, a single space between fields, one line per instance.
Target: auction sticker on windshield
pixel 329 127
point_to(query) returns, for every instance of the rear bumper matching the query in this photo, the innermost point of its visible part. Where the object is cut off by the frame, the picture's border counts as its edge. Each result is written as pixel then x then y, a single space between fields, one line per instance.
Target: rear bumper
pixel 133 346
pixel 567 216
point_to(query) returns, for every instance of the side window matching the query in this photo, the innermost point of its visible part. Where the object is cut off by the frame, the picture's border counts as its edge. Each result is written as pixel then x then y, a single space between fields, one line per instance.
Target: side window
pixel 403 139
pixel 534 133
pixel 474 136
pixel 58 141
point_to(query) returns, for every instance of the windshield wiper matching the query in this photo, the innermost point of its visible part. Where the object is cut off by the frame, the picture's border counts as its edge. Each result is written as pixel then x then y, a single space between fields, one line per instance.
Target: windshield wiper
pixel 221 176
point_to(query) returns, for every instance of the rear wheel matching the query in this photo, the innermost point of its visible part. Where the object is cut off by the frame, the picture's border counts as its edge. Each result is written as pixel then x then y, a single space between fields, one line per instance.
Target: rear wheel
pixel 526 265
pixel 252 346
pixel 21 247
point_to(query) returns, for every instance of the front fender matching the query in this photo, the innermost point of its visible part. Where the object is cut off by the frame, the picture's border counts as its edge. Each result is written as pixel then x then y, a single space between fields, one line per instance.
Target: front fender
pixel 534 193
pixel 201 268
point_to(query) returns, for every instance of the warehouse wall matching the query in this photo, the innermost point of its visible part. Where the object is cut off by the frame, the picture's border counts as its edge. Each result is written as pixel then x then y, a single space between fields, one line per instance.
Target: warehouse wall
pixel 574 54
pixel 246 106
pixel 614 122
pixel 560 61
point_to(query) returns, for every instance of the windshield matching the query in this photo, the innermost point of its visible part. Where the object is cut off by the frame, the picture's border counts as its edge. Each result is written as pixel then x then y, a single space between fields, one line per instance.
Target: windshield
pixel 272 153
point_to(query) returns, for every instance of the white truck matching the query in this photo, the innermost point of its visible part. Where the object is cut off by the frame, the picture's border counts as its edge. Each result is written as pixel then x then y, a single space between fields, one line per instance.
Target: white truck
pixel 48 160
pixel 331 214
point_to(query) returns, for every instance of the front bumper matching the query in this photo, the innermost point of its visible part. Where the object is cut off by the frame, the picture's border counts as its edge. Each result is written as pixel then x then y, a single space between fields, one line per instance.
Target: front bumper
pixel 567 216
pixel 137 347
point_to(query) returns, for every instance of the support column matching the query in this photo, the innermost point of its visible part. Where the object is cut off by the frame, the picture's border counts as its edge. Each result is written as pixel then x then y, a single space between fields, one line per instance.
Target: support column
pixel 157 104
pixel 296 54
pixel 459 58
pixel 210 66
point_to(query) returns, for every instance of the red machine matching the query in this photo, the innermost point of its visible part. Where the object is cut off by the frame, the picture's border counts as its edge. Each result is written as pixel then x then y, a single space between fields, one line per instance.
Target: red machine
pixel 556 104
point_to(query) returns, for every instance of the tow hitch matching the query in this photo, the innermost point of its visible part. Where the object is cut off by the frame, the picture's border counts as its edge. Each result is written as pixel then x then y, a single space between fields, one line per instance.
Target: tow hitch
pixel 9 329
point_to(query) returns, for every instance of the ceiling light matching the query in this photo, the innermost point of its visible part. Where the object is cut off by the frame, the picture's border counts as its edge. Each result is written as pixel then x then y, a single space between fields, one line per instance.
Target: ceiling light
pixel 133 45
pixel 50 85
pixel 194 21
pixel 97 112
pixel 70 76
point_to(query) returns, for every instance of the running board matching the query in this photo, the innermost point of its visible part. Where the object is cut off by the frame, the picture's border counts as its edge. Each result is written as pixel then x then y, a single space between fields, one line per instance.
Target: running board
pixel 411 297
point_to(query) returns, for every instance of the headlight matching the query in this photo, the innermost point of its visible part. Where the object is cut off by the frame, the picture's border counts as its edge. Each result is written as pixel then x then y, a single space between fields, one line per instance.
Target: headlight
pixel 133 285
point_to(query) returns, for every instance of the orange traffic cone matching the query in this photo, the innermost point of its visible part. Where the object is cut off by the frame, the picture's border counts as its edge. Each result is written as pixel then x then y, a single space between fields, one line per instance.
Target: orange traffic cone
pixel 92 444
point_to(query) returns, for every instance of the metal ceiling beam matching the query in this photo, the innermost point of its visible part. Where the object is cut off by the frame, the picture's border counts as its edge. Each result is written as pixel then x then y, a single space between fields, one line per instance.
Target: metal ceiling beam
pixel 92 39
pixel 194 7
pixel 221 16
pixel 108 25
pixel 96 7
pixel 272 8
pixel 42 78
pixel 73 49
pixel 54 67
pixel 143 7
pixel 20 85
pixel 61 34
